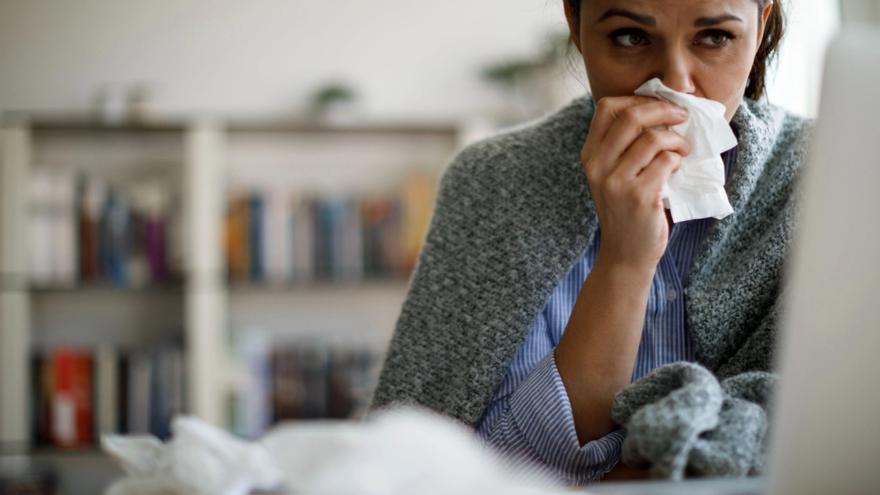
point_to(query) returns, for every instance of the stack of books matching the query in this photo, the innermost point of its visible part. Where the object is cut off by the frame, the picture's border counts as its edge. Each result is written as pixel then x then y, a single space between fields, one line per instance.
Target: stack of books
pixel 83 230
pixel 278 237
pixel 306 380
pixel 81 393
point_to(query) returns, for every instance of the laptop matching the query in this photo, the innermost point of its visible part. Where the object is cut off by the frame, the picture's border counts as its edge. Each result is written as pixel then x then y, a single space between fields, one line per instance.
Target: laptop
pixel 825 434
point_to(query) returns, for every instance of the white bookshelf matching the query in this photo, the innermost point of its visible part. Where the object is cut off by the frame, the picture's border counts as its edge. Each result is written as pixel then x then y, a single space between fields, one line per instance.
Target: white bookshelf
pixel 15 149
pixel 207 159
pixel 205 294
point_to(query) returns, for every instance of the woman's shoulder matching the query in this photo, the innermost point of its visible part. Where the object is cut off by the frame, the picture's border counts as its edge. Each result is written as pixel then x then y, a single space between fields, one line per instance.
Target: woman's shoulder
pixel 786 130
pixel 555 137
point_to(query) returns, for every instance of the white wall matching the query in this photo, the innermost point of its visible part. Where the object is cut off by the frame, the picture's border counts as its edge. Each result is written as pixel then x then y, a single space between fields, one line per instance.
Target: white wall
pixel 236 57
pixel 796 83
pixel 258 57
pixel 861 12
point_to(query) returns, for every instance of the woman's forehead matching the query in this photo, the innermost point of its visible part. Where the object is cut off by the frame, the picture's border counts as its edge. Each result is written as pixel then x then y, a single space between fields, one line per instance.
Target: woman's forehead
pixel 665 9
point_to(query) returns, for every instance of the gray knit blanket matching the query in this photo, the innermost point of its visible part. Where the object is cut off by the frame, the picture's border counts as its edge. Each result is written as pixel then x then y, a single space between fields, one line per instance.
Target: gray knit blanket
pixel 681 421
pixel 514 212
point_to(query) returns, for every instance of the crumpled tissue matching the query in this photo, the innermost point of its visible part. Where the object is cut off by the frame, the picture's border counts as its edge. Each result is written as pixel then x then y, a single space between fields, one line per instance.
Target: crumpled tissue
pixel 398 451
pixel 696 190
pixel 199 459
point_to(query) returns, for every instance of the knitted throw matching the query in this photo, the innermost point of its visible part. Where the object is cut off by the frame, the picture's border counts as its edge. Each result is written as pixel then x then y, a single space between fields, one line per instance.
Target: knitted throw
pixel 512 215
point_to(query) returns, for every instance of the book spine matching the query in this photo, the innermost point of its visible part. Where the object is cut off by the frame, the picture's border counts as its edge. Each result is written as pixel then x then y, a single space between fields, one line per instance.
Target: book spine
pixel 253 413
pixel 41 398
pixel 160 390
pixel 353 241
pixel 71 399
pixel 40 227
pixel 107 386
pixel 64 230
pixel 237 239
pixel 91 197
pixel 255 237
pixel 83 384
pixel 139 406
pixel 277 247
pixel 118 218
pixel 303 232
pixel 63 408
pixel 155 242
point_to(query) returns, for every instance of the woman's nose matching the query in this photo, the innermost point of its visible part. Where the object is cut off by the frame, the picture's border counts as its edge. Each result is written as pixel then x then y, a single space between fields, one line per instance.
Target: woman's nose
pixel 675 72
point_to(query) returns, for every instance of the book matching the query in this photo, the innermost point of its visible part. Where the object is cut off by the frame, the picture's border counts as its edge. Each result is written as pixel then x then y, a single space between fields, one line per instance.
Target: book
pixel 71 398
pixel 350 262
pixel 115 223
pixel 288 392
pixel 417 201
pixel 277 248
pixel 64 230
pixel 91 199
pixel 83 230
pixel 107 388
pixel 79 394
pixel 237 239
pixel 40 225
pixel 381 234
pixel 41 405
pixel 255 231
pixel 271 236
pixel 140 374
pixel 303 232
pixel 149 258
pixel 252 414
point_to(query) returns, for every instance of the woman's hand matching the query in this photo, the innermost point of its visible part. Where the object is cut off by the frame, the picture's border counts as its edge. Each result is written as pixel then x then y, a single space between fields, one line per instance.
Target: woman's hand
pixel 627 159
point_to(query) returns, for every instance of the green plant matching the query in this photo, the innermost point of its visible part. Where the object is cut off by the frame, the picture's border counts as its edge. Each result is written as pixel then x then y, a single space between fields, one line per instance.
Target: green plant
pixel 332 93
pixel 509 72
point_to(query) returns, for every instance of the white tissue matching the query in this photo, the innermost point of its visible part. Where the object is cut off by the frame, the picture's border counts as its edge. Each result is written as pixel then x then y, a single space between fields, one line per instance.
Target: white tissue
pixel 396 452
pixel 199 460
pixel 696 190
pixel 401 451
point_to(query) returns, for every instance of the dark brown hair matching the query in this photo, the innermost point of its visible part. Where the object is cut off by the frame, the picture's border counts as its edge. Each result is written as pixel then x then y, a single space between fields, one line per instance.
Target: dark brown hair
pixel 765 55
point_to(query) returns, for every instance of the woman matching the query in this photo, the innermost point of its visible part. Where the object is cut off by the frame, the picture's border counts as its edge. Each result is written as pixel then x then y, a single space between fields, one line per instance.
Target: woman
pixel 552 277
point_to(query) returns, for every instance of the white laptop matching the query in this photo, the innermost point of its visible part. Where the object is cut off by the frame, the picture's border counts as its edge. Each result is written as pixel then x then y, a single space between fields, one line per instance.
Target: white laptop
pixel 825 435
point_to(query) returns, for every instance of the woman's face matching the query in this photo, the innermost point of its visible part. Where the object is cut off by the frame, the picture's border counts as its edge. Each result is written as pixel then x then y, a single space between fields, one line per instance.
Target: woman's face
pixel 701 47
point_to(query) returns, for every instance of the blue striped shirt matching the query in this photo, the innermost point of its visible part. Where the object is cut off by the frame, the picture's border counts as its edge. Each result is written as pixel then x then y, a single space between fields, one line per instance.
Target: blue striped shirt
pixel 530 416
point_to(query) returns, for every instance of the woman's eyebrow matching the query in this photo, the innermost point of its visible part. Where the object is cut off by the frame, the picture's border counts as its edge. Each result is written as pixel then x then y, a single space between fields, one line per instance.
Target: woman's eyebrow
pixel 711 21
pixel 642 19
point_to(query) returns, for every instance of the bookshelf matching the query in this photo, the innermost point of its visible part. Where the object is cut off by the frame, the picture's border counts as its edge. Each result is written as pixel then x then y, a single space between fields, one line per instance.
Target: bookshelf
pixel 204 163
pixel 323 305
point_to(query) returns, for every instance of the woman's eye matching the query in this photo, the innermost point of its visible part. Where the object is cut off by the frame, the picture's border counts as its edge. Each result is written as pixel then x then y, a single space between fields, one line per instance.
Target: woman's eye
pixel 629 38
pixel 715 39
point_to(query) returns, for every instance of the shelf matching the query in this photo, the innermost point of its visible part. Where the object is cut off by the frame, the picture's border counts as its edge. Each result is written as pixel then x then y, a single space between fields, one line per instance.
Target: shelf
pixel 320 285
pixel 127 318
pixel 84 452
pixel 364 312
pixel 83 123
pixel 201 310
pixel 103 289
pixel 85 470
pixel 375 128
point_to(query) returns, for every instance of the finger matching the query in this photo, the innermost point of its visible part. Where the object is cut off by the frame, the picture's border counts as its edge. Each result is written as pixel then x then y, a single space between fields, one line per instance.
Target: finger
pixel 646 147
pixel 608 109
pixel 658 172
pixel 635 120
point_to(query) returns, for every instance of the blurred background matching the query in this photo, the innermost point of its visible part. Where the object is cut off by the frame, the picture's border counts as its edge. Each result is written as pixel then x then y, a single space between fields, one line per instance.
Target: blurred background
pixel 215 207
